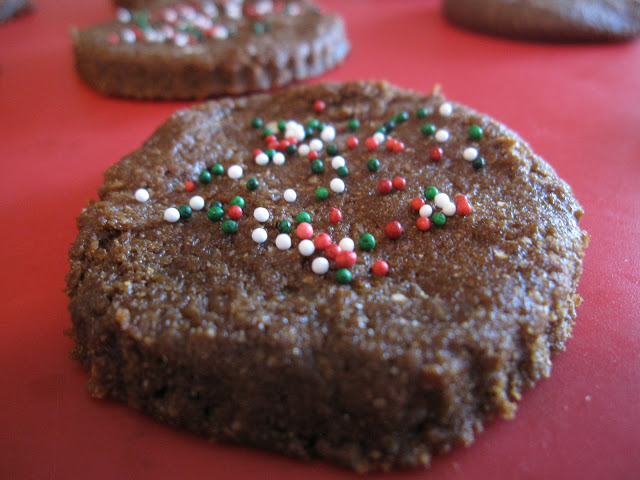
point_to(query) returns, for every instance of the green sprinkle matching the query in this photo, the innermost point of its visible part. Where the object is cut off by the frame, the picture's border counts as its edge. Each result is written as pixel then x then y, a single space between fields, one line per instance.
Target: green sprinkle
pixel 267 131
pixel 215 204
pixel 303 217
pixel 421 112
pixel 343 276
pixel 270 152
pixel 475 132
pixel 291 149
pixel 401 117
pixel 373 164
pixel 215 213
pixel 217 169
pixel 258 28
pixel 332 150
pixel 253 183
pixel 381 129
pixel 284 226
pixel 308 131
pixel 317 166
pixel 342 171
pixel 353 124
pixel 185 211
pixel 478 163
pixel 205 177
pixel 256 122
pixel 313 124
pixel 239 201
pixel 321 126
pixel 229 226
pixel 282 125
pixel 430 192
pixel 428 129
pixel 322 193
pixel 367 242
pixel 438 219
pixel 390 125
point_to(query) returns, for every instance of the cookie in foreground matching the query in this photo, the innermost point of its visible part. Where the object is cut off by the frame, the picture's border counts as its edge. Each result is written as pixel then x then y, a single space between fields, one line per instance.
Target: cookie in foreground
pixel 351 272
pixel 203 49
pixel 549 20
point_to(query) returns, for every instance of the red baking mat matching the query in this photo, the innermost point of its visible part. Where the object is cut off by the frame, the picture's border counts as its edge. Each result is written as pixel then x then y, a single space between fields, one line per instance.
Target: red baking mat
pixel 578 106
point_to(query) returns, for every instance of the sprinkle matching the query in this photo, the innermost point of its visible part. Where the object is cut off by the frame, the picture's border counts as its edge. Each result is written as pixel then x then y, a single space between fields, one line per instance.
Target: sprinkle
pixel 303 217
pixel 261 214
pixel 343 276
pixel 319 106
pixel 352 142
pixel 393 229
pixel 229 226
pixel 189 186
pixel 441 199
pixel 278 158
pixel 426 211
pixel 317 166
pixel 398 146
pixel 436 153
pixel 322 241
pixel 385 186
pixel 475 132
pixel 399 183
pixel 332 150
pixel 322 193
pixel 290 195
pixel 259 235
pixel 371 144
pixel 328 134
pixel 423 224
pixel 306 248
pixel 421 112
pixel 238 200
pixel 401 117
pixel 252 184
pixel 353 124
pixel 313 155
pixel 261 159
pixel 234 212
pixel 445 109
pixel 478 163
pixel 128 35
pixel 337 185
pixel 335 215
pixel 378 137
pixel 346 259
pixel 304 230
pixel 235 172
pixel 123 15
pixel 113 38
pixel 196 202
pixel 428 129
pixel 284 226
pixel 283 241
pixel 417 203
pixel 171 214
pixel 204 177
pixel 337 162
pixel 215 213
pixel 373 164
pixel 470 154
pixel 217 169
pixel 141 195
pixel 439 219
pixel 320 266
pixel 347 244
pixel 449 209
pixel 442 135
pixel 462 205
pixel 342 171
pixel 332 251
pixel 430 192
pixel 366 242
pixel 256 122
pixel 315 145
pixel 380 268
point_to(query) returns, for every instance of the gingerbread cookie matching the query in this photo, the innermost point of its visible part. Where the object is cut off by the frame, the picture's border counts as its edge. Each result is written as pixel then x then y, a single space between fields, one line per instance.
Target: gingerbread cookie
pixel 351 272
pixel 190 51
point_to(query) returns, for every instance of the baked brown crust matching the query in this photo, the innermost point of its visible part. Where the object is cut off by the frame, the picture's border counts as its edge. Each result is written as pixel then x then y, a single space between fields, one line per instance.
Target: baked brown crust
pixel 242 342
pixel 164 53
pixel 549 20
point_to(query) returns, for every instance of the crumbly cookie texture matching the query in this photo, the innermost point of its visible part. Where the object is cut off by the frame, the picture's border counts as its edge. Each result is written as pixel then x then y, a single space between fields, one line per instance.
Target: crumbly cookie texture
pixel 352 272
pixel 194 50
pixel 549 20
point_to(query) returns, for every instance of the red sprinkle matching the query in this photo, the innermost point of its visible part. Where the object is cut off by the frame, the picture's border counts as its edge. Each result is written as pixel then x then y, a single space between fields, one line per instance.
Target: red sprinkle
pixel 417 203
pixel 234 212
pixel 270 138
pixel 398 147
pixel 423 223
pixel 304 231
pixel 335 215
pixel 462 205
pixel 113 38
pixel 399 183
pixel 352 142
pixel 393 229
pixel 436 153
pixel 380 268
pixel 292 141
pixel 312 155
pixel 346 258
pixel 319 106
pixel 283 144
pixel 390 143
pixel 385 186
pixel 371 144
pixel 189 186
pixel 273 145
pixel 322 241
pixel 256 152
pixel 332 251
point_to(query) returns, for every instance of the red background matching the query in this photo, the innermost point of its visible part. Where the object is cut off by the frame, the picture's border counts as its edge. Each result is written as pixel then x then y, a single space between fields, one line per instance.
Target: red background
pixel 579 107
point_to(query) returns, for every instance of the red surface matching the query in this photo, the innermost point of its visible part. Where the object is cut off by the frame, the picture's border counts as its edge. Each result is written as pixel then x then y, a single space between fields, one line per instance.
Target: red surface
pixel 579 107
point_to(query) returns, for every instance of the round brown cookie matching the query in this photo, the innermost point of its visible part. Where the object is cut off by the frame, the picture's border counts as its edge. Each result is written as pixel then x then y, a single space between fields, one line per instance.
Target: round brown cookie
pixel 138 4
pixel 346 271
pixel 205 49
pixel 549 20
pixel 11 8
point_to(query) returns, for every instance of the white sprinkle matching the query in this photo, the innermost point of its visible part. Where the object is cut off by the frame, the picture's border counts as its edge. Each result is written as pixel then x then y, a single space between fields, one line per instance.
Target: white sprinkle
pixel 449 209
pixel 337 162
pixel 171 214
pixel 446 109
pixel 220 32
pixel 235 171
pixel 315 145
pixel 261 214
pixel 283 241
pixel 295 130
pixel 170 15
pixel 426 211
pixel 290 195
pixel 128 35
pixel 328 134
pixel 259 235
pixel 181 39
pixel 442 135
pixel 347 244
pixel 378 137
pixel 278 158
pixel 142 195
pixel 441 199
pixel 306 248
pixel 123 15
pixel 303 150
pixel 196 202
pixel 262 158
pixel 398 298
pixel 337 185
pixel 470 154
pixel 320 265
pixel 210 9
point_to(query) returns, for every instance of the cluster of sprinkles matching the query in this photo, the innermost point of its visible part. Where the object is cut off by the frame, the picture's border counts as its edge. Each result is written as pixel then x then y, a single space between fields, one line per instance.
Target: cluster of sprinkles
pixel 185 24
pixel 284 140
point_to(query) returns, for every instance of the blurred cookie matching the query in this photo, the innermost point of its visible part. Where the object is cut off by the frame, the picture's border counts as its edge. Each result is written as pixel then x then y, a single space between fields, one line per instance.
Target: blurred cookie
pixel 11 8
